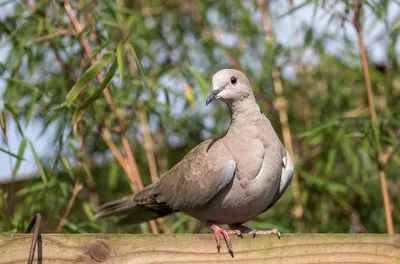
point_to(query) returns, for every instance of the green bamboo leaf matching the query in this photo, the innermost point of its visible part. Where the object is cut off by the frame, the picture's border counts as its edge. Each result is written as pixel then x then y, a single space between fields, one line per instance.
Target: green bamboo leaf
pixel 360 190
pixel 395 26
pixel 143 75
pixel 73 227
pixel 36 187
pixel 110 22
pixel 315 9
pixel 319 128
pixel 23 83
pixel 331 161
pixel 15 115
pixel 40 26
pixel 113 173
pixel 338 188
pixel 202 83
pixel 308 37
pixel 67 165
pixel 294 9
pixel 21 152
pixel 178 224
pixel 38 164
pixel 376 133
pixel 341 201
pixel 88 172
pixel 11 154
pixel 3 121
pixel 97 94
pixel 94 55
pixel 120 60
pixel 73 147
pixel 31 189
pixel 64 188
pixel 76 117
pixel 87 208
pixel 88 76
pixel 48 26
pixel 31 107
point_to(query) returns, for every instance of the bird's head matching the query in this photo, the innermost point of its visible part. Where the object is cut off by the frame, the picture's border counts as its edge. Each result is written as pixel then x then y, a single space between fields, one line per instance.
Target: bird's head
pixel 229 85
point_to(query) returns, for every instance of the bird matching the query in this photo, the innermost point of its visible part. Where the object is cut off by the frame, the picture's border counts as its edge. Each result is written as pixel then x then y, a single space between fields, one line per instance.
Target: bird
pixel 227 180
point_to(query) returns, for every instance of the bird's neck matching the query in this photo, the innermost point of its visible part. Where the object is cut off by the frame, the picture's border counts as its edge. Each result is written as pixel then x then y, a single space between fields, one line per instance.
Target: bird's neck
pixel 244 111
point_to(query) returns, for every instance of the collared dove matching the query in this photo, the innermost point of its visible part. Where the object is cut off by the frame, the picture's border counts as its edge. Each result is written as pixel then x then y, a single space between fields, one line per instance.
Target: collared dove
pixel 229 180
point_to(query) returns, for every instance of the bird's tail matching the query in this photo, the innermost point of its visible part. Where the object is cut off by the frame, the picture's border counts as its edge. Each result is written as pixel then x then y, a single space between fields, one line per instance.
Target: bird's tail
pixel 135 209
pixel 117 207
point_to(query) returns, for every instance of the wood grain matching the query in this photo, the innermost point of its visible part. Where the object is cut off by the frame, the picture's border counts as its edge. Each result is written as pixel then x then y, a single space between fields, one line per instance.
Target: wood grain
pixel 200 248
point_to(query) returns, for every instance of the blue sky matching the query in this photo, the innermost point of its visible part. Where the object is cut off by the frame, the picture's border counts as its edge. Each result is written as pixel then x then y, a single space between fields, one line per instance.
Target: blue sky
pixel 375 48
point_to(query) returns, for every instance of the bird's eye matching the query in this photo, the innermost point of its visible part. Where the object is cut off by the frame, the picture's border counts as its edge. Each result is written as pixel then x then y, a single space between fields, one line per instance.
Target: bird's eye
pixel 233 80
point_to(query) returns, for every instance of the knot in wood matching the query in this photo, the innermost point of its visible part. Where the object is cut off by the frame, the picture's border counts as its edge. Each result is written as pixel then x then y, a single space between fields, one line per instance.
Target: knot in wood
pixel 99 251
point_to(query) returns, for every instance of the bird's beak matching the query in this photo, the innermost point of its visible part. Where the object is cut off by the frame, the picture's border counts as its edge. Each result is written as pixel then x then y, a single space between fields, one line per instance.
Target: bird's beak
pixel 212 96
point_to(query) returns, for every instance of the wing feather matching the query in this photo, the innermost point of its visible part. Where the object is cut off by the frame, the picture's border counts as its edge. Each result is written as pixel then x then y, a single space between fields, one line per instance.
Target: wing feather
pixel 201 174
pixel 286 177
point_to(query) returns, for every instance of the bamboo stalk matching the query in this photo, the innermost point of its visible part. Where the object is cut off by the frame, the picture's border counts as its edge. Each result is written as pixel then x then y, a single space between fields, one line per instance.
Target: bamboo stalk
pixel 281 106
pixel 148 141
pixel 371 102
pixel 364 62
pixel 149 147
pixel 134 171
pixel 77 188
pixel 106 135
pixel 131 162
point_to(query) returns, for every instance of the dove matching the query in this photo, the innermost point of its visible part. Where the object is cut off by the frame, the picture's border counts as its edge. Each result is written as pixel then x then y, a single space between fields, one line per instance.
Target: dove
pixel 228 180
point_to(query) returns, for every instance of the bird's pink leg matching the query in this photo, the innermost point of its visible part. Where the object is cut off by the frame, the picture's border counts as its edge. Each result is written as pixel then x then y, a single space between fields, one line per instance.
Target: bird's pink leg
pixel 266 232
pixel 238 230
pixel 245 230
pixel 218 231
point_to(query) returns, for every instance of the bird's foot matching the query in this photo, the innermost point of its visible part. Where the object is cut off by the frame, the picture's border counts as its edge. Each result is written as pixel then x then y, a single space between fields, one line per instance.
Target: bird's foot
pixel 238 230
pixel 245 230
pixel 218 231
pixel 266 232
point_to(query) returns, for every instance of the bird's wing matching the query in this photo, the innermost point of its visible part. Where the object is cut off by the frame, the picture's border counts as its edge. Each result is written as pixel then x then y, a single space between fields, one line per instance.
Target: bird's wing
pixel 286 176
pixel 287 172
pixel 198 177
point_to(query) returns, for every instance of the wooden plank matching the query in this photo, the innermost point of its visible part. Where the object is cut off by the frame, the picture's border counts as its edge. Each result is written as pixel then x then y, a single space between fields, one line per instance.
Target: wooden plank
pixel 200 248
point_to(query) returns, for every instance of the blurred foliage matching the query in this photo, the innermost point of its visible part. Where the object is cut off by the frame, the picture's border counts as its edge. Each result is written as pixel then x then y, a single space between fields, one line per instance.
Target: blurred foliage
pixel 155 59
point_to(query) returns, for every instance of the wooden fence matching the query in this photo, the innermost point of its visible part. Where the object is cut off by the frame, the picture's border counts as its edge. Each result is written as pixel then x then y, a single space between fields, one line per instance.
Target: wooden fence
pixel 200 248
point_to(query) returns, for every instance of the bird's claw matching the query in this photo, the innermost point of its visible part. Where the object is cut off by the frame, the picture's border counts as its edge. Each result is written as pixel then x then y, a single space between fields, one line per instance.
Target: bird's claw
pixel 239 233
pixel 218 231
